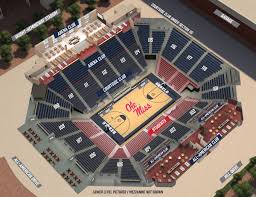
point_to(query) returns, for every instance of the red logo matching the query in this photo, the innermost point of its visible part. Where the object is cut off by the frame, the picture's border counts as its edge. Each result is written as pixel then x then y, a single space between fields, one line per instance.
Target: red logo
pixel 138 109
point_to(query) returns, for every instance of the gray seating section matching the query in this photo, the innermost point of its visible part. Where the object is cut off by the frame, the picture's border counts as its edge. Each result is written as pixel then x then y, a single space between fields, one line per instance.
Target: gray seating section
pixel 176 42
pixel 151 146
pixel 139 156
pixel 176 131
pixel 158 39
pixel 128 173
pixel 60 86
pixel 206 68
pixel 91 159
pixel 78 141
pixel 188 115
pixel 189 57
pixel 110 167
pixel 129 41
pixel 59 128
pixel 52 98
pixel 44 111
pixel 143 34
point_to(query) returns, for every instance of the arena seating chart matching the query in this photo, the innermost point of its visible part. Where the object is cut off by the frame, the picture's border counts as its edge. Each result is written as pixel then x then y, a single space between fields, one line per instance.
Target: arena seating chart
pixel 141 108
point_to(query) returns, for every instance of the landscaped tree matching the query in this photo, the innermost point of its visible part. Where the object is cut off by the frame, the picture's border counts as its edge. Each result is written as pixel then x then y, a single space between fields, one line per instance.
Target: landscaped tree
pixel 219 193
pixel 74 10
pixel 20 25
pixel 244 189
pixel 24 43
pixel 104 1
pixel 41 32
pixel 6 53
pixel 253 172
pixel 253 160
pixel 57 4
pixel 91 4
pixel 37 16
pixel 5 38
pixel 237 177
pixel 58 22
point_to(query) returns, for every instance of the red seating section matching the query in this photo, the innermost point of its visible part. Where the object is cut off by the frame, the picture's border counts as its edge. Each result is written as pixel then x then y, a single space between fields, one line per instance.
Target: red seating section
pixel 173 76
pixel 138 142
pixel 88 128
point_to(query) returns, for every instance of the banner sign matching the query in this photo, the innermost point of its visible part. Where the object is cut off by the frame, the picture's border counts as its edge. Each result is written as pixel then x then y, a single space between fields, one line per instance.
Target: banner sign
pixel 66 29
pixel 206 149
pixel 36 24
pixel 27 172
pixel 209 113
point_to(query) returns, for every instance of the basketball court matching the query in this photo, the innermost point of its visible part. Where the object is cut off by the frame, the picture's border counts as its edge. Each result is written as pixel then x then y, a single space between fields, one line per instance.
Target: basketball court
pixel 125 116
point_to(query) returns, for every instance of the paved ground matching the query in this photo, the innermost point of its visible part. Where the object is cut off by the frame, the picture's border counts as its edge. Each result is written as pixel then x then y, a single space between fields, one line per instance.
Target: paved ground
pixel 212 36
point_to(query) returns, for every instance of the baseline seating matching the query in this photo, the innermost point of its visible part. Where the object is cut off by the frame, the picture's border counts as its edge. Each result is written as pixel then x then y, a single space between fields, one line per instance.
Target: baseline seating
pixel 52 98
pixel 44 111
pixel 128 173
pixel 138 142
pixel 91 159
pixel 110 167
pixel 139 156
pixel 120 154
pixel 60 128
pixel 88 128
pixel 105 143
pixel 60 86
pixel 78 141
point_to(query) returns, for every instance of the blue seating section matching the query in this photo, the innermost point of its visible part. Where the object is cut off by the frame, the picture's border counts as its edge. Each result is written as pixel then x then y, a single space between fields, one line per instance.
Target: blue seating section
pixel 216 81
pixel 175 44
pixel 78 142
pixel 176 131
pixel 143 34
pixel 201 104
pixel 49 112
pixel 158 39
pixel 91 159
pixel 60 86
pixel 139 156
pixel 128 173
pixel 104 73
pixel 188 115
pixel 110 167
pixel 84 83
pixel 54 99
pixel 222 93
pixel 207 67
pixel 130 42
pixel 59 128
pixel 153 144
pixel 189 57
pixel 120 58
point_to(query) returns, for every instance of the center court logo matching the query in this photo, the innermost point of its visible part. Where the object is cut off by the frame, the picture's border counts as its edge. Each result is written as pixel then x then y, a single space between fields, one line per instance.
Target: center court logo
pixel 138 109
